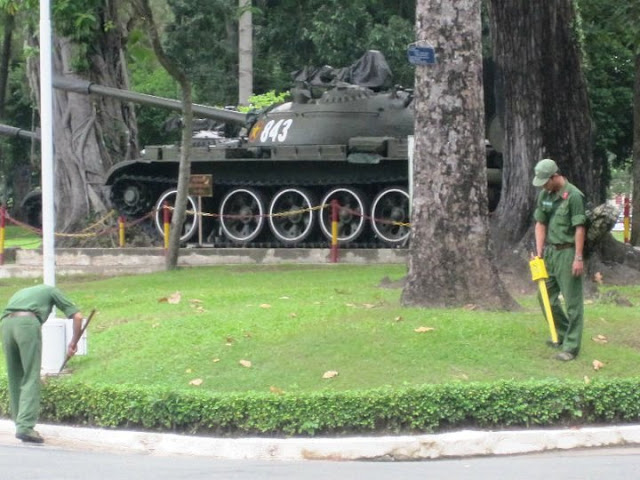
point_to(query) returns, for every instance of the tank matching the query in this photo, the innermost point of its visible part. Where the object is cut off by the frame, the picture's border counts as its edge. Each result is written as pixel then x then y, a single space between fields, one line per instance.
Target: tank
pixel 343 137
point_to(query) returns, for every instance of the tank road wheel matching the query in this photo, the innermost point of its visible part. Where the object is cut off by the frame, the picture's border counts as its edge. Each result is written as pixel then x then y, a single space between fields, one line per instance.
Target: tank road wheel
pixel 131 198
pixel 290 216
pixel 190 222
pixel 388 210
pixel 351 220
pixel 242 215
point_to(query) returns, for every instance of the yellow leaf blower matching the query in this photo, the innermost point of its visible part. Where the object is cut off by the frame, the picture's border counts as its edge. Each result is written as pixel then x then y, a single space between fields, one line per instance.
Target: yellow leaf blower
pixel 539 274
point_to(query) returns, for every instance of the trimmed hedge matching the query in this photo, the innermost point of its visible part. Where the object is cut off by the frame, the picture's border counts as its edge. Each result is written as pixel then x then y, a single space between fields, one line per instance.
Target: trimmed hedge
pixel 424 409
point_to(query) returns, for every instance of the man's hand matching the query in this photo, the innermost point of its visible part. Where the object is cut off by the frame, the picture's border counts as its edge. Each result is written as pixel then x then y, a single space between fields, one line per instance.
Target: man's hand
pixel 578 267
pixel 72 349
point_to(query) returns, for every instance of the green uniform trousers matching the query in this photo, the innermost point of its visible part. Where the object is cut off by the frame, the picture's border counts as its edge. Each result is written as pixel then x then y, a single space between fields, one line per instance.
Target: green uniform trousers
pixel 561 280
pixel 22 344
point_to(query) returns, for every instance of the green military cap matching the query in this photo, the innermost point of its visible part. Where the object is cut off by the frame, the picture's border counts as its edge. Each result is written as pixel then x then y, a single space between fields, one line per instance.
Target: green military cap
pixel 545 169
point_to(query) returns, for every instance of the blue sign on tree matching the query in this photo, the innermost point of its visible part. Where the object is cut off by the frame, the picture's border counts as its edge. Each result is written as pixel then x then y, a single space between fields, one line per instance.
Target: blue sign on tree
pixel 421 55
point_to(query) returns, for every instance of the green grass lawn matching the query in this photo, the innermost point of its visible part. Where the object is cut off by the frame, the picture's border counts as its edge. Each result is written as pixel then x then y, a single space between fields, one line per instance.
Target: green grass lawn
pixel 21 237
pixel 294 323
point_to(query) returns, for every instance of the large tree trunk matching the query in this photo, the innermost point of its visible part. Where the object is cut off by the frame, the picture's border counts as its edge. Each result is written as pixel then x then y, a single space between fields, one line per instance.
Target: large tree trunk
pixel 546 108
pixel 450 259
pixel 635 223
pixel 91 134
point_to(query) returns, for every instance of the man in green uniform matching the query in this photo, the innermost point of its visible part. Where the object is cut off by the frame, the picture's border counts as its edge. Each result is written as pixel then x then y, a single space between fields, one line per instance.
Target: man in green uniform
pixel 560 223
pixel 21 324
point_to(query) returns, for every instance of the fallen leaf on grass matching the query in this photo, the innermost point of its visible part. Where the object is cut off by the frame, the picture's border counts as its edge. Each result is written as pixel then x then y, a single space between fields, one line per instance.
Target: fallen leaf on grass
pixel 349 304
pixel 597 364
pixel 155 325
pixel 293 315
pixel 188 370
pixel 174 298
pixel 330 374
pixel 587 380
pixel 196 382
pixel 265 305
pixel 216 360
pixel 230 341
pixel 369 305
pixel 246 334
pixel 284 298
pixel 423 329
pixel 398 319
pixel 470 306
pixel 245 363
pixel 276 390
pixel 600 339
pixel 196 305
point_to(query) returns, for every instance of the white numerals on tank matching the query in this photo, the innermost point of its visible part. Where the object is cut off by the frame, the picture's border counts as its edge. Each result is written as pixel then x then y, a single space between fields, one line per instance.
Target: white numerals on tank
pixel 276 131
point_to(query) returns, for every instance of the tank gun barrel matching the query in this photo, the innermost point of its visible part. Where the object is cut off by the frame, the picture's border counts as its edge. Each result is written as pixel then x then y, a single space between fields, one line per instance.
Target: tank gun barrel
pixel 9 131
pixel 86 88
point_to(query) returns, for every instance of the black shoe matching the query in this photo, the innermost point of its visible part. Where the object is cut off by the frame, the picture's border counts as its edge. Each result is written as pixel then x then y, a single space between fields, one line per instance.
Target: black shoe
pixel 31 437
pixel 565 356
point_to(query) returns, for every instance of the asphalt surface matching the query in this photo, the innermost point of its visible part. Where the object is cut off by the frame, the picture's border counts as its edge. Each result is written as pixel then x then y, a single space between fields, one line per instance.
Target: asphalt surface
pixel 468 443
pixel 52 463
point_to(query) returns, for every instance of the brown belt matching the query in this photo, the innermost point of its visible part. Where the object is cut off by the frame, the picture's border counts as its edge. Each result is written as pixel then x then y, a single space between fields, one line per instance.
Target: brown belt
pixel 21 314
pixel 562 246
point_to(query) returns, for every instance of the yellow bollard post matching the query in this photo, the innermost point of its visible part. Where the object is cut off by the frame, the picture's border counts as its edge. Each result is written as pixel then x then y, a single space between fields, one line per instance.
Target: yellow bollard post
pixel 539 274
pixel 627 220
pixel 334 230
pixel 167 223
pixel 121 231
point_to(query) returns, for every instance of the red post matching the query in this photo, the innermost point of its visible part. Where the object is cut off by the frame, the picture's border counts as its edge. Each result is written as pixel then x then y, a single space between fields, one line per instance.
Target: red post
pixel 3 216
pixel 121 231
pixel 335 209
pixel 627 219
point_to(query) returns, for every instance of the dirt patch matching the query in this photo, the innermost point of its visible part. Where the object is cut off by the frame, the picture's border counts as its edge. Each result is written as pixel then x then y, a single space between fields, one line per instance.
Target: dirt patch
pixel 386 282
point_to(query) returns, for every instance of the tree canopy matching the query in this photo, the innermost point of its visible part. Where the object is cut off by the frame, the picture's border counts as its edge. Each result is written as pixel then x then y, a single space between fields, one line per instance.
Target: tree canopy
pixel 288 35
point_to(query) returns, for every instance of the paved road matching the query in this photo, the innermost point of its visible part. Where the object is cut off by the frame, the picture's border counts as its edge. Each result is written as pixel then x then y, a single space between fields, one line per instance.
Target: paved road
pixel 52 463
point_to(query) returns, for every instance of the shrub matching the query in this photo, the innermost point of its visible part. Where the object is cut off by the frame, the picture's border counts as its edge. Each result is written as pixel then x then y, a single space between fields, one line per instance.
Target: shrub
pixel 425 409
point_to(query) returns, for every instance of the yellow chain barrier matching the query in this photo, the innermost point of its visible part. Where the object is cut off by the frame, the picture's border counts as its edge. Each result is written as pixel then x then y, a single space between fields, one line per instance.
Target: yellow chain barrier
pixel 87 231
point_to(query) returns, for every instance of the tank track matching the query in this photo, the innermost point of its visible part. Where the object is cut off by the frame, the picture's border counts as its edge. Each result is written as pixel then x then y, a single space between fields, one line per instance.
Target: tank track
pixel 159 184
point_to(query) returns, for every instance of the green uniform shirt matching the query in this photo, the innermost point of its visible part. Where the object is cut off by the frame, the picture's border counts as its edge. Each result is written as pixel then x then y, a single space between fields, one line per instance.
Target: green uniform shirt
pixel 40 300
pixel 562 212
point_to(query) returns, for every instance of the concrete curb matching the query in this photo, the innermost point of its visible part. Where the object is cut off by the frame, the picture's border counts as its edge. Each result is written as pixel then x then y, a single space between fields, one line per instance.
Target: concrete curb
pixel 385 448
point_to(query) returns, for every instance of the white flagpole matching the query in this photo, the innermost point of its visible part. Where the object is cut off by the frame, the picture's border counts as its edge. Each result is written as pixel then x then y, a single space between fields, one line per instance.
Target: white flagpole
pixel 46 144
pixel 54 330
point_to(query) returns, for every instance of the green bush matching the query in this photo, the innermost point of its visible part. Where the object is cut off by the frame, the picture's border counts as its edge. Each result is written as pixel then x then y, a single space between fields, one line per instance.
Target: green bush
pixel 425 409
